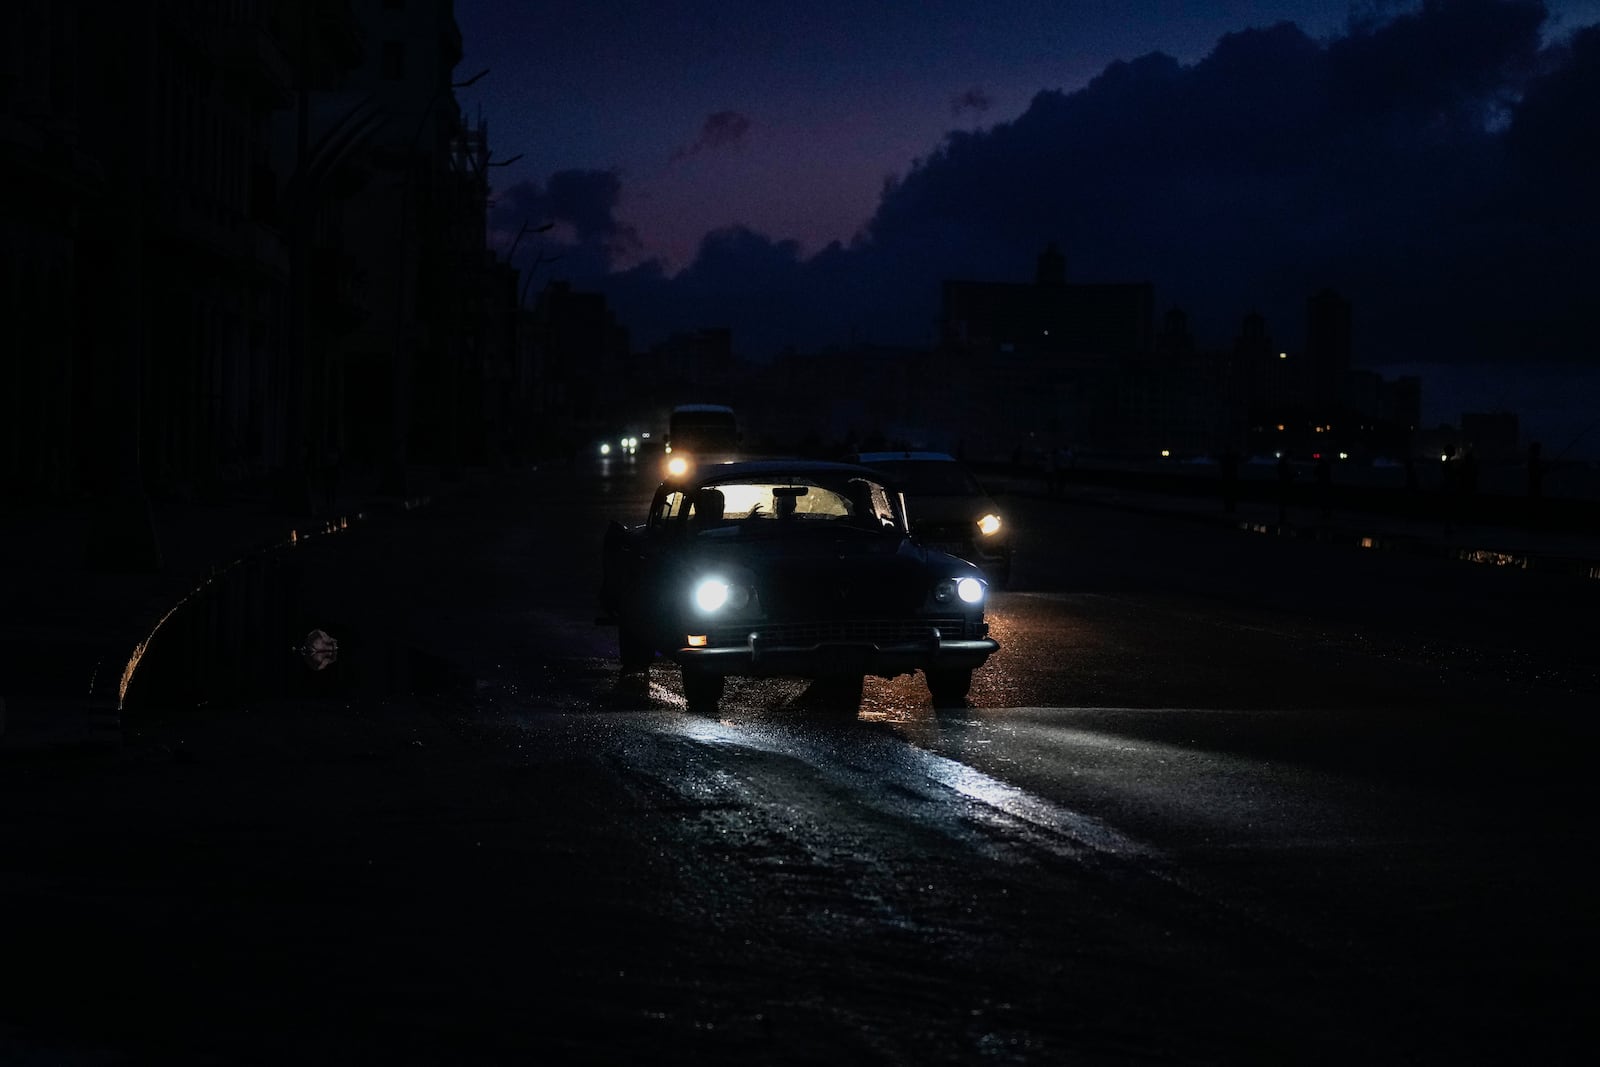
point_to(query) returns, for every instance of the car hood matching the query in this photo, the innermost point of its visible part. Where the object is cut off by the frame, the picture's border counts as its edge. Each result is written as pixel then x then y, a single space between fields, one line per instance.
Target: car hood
pixel 826 576
pixel 946 510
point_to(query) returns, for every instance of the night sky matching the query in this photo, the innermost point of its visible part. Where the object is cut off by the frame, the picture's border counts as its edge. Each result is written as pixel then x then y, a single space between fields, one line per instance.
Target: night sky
pixel 808 173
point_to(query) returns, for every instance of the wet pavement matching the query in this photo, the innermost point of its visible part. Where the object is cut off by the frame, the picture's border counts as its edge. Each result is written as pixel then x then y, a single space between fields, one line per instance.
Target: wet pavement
pixel 374 888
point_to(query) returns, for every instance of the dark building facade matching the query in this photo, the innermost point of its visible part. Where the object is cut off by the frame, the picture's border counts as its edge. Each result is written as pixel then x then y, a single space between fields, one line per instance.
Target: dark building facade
pixel 236 237
pixel 1313 401
pixel 581 369
pixel 1036 366
pixel 1327 353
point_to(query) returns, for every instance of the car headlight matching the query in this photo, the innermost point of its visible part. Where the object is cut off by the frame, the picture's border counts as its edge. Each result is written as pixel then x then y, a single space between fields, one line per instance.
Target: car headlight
pixel 967 590
pixel 605 449
pixel 714 594
pixel 989 525
pixel 678 466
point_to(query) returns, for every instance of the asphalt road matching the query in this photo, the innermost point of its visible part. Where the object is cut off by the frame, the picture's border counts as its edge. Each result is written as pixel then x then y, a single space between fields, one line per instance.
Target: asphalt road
pixel 1219 799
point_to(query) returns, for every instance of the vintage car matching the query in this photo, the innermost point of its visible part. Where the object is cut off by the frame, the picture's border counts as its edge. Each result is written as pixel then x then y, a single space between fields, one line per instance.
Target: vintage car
pixel 950 509
pixel 791 568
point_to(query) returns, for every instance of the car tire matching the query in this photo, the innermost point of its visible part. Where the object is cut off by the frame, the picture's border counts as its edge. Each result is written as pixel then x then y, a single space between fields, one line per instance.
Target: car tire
pixel 634 651
pixel 702 690
pixel 948 688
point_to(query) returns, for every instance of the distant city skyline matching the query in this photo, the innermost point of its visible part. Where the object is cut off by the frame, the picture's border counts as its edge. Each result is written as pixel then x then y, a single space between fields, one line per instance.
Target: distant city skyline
pixel 1424 160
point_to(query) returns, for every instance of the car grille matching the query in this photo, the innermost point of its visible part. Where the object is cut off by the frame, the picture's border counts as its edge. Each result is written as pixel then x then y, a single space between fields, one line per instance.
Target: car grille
pixel 839 631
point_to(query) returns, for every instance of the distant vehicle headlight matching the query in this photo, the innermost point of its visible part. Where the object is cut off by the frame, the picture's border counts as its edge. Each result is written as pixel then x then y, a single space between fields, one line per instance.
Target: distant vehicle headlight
pixel 989 525
pixel 605 449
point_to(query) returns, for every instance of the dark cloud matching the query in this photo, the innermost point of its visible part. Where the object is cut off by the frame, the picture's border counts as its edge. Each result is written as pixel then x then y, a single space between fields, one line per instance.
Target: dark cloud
pixel 582 204
pixel 971 100
pixel 1554 136
pixel 722 129
pixel 1432 165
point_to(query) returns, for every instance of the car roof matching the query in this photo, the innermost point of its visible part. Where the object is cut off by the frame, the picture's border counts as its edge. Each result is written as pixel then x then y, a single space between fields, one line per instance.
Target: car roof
pixel 756 469
pixel 890 457
pixel 702 408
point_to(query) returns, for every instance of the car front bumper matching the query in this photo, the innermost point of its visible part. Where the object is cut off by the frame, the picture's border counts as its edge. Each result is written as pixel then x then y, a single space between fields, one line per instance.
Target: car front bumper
pixel 759 656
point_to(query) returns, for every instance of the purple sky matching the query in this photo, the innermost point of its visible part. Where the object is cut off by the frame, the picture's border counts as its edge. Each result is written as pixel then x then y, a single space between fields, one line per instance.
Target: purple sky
pixel 1424 160
pixel 834 96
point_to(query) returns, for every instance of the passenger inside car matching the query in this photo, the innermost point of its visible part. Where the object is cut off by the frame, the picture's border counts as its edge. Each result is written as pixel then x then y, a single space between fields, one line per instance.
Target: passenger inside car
pixel 709 507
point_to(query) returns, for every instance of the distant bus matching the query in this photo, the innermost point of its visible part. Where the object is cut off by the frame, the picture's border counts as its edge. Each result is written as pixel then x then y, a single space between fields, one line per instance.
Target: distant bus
pixel 699 433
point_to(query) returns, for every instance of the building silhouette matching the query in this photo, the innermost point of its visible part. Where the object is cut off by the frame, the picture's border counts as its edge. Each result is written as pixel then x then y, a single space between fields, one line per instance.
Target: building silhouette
pixel 1327 354
pixel 1309 401
pixel 244 252
pixel 581 370
pixel 1037 365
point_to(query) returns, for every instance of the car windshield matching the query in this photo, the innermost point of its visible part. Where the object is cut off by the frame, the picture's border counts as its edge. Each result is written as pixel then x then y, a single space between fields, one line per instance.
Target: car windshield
pixel 931 477
pixel 800 500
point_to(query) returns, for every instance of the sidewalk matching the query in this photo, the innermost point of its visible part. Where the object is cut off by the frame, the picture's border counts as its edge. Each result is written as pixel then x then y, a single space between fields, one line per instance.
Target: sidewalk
pixel 68 632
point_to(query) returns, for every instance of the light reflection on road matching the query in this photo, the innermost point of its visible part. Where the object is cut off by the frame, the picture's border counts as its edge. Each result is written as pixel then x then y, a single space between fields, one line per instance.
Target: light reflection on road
pixel 868 759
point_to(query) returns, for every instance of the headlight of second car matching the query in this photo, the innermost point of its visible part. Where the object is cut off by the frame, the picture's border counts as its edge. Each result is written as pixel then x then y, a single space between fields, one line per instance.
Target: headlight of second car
pixel 989 525
pixel 713 595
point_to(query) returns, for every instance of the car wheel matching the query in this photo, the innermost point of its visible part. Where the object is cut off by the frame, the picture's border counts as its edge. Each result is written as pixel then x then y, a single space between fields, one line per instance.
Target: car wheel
pixel 702 690
pixel 949 687
pixel 634 651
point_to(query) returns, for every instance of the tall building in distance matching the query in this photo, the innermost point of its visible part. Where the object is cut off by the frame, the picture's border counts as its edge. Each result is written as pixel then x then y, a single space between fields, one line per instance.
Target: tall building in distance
pixel 1327 354
pixel 1037 364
